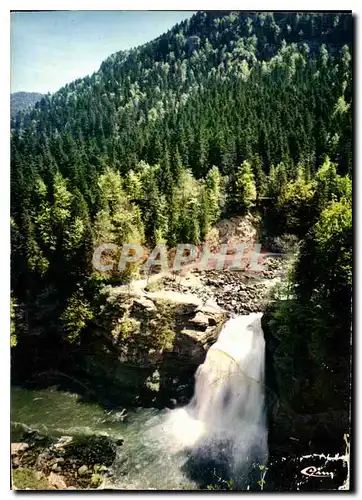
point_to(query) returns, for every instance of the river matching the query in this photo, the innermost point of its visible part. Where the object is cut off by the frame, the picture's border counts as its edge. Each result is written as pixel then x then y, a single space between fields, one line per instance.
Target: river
pixel 55 413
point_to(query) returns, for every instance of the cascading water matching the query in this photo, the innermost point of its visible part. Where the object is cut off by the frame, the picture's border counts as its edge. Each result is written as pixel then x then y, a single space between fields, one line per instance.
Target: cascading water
pixel 227 409
pixel 221 433
pixel 229 394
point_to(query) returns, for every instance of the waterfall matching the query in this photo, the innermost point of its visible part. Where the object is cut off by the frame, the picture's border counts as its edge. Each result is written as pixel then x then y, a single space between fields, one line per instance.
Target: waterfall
pixel 224 424
pixel 221 434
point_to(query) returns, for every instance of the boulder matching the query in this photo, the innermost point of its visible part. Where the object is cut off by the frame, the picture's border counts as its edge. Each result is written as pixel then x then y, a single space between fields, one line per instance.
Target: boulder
pixel 57 481
pixel 83 470
pixel 17 448
pixel 63 441
pixel 144 303
pixel 200 319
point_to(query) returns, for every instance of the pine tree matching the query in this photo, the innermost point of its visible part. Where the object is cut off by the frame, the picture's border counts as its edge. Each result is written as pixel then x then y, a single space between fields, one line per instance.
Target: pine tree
pixel 245 194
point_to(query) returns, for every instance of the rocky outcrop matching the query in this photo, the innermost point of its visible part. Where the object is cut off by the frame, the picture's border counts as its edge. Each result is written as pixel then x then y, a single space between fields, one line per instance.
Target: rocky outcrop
pixel 149 349
pixel 150 343
pixel 66 463
pixel 143 330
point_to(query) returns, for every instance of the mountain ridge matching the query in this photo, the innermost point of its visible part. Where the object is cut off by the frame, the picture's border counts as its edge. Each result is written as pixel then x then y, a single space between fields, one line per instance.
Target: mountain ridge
pixel 20 101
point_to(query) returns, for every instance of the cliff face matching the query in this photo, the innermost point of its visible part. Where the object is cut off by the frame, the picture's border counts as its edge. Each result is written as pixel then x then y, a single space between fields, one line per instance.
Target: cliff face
pixel 151 348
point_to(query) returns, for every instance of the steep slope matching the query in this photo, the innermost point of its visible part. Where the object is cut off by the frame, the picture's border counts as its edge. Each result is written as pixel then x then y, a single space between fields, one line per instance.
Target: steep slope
pixel 136 105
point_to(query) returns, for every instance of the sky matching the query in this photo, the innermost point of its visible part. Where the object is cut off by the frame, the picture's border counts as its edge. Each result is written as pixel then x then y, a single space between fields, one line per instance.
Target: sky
pixel 50 49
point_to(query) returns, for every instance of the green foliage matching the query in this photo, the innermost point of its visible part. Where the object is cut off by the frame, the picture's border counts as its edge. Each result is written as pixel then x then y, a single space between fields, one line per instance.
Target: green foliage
pixel 330 185
pixel 246 185
pixel 62 200
pixel 212 196
pixel 133 185
pixel 186 198
pixel 35 256
pixel 125 328
pixel 326 179
pixel 330 244
pixel 226 485
pixel 155 211
pixel 259 176
pixel 24 478
pixel 294 203
pixel 96 479
pixel 263 471
pixel 312 318
pixel 13 338
pixel 277 180
pixel 119 220
pixel 242 188
pixel 44 214
pixel 77 314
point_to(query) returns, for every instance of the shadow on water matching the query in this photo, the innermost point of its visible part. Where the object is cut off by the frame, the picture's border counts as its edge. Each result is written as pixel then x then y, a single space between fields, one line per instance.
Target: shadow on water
pixel 212 466
pixel 205 469
pixel 94 371
pixel 97 377
pixel 104 393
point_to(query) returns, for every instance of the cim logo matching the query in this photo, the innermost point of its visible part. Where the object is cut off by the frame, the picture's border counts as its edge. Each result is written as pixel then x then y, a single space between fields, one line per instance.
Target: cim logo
pixel 316 472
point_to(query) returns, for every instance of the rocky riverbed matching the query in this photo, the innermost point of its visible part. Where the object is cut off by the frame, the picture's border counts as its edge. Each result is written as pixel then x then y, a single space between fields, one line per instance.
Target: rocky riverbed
pixel 66 463
pixel 237 292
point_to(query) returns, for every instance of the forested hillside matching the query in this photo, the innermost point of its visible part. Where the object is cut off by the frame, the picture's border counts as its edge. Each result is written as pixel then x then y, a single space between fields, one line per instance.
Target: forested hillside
pixel 222 111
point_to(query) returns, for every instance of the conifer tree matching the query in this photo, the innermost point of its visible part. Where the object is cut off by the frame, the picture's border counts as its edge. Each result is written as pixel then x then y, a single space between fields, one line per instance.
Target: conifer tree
pixel 245 186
